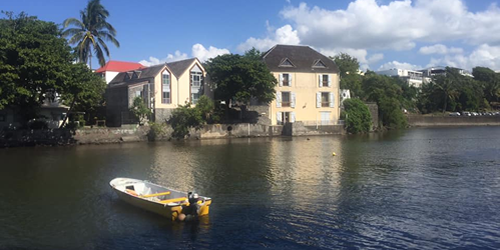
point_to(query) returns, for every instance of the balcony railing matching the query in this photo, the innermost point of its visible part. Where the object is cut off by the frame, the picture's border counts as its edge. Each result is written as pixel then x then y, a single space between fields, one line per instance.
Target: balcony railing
pixel 325 104
pixel 285 104
pixel 166 100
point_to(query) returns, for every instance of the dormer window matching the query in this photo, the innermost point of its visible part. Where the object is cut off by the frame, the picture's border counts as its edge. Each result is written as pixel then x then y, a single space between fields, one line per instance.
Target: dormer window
pixel 319 64
pixel 286 63
pixel 196 77
pixel 134 75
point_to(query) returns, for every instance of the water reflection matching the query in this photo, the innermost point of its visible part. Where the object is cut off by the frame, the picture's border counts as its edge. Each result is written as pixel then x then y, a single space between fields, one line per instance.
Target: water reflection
pixel 421 189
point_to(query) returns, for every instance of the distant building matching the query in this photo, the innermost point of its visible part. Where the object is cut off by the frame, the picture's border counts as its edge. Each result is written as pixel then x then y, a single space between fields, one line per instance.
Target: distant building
pixel 112 68
pixel 308 86
pixel 441 70
pixel 163 88
pixel 412 77
pixel 344 95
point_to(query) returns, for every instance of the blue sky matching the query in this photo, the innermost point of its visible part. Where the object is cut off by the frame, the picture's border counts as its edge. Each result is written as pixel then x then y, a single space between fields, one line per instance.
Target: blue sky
pixel 382 34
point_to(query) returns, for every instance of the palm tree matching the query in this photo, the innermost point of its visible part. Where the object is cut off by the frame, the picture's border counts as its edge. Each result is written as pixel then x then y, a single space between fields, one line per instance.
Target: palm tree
pixel 91 32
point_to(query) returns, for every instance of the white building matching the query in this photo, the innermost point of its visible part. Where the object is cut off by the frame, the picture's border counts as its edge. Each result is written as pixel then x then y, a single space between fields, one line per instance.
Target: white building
pixel 412 77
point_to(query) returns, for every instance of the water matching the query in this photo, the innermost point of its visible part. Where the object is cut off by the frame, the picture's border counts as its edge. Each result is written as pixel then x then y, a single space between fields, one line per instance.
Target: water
pixel 414 189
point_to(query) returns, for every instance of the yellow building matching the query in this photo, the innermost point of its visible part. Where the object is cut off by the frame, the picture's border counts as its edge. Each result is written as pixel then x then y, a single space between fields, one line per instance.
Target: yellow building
pixel 308 86
pixel 162 87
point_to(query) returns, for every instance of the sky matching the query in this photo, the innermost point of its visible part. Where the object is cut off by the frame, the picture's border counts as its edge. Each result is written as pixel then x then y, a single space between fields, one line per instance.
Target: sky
pixel 381 34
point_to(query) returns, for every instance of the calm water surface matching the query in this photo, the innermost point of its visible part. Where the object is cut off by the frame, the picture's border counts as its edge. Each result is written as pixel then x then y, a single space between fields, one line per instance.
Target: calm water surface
pixel 414 189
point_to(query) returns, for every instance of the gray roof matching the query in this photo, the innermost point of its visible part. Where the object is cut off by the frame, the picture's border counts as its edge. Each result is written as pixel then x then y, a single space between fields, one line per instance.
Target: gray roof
pixel 303 59
pixel 143 74
pixel 177 68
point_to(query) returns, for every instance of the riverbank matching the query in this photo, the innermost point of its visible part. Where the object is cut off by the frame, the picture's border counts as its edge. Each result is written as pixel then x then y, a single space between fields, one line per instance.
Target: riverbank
pixel 439 121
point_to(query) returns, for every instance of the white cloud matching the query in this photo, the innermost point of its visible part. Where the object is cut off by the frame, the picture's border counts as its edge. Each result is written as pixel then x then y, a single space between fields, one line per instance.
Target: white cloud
pixel 399 65
pixel 198 51
pixel 283 35
pixel 366 24
pixel 203 54
pixel 483 55
pixel 375 58
pixel 177 56
pixel 440 49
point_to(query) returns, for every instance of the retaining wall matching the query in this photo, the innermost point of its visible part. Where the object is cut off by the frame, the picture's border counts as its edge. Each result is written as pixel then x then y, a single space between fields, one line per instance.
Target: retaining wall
pixel 429 121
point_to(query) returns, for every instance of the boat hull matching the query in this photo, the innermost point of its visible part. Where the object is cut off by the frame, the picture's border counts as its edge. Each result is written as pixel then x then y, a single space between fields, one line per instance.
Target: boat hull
pixel 170 210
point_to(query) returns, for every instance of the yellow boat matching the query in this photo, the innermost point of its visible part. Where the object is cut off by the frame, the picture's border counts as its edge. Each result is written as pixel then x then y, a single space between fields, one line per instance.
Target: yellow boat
pixel 155 198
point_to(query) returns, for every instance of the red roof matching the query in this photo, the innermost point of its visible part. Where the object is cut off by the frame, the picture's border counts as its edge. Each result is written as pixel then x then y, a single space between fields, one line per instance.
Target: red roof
pixel 119 66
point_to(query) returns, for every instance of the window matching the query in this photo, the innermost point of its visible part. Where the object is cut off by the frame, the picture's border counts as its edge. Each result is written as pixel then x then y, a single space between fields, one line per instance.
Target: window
pixel 319 64
pixel 325 99
pixel 196 78
pixel 286 63
pixel 326 80
pixel 286 79
pixel 166 88
pixel 166 79
pixel 138 93
pixel 285 99
pixel 195 97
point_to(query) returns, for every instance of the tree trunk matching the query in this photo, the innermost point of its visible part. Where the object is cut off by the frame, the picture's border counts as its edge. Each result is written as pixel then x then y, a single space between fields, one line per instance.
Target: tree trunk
pixel 227 109
pixel 90 60
pixel 67 115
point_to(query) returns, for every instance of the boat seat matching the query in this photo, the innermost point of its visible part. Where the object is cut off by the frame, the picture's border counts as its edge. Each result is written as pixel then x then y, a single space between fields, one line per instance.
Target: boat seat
pixel 132 192
pixel 173 200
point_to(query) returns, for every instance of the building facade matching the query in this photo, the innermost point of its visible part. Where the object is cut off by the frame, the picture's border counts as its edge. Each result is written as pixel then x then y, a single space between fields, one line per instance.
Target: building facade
pixel 163 88
pixel 412 77
pixel 308 86
pixel 112 68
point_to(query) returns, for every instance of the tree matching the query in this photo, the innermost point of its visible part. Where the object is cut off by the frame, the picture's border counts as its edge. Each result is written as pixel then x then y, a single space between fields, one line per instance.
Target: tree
pixel 83 90
pixel 346 63
pixel 386 92
pixel 91 32
pixel 490 82
pixel 241 78
pixel 358 117
pixel 183 118
pixel 34 59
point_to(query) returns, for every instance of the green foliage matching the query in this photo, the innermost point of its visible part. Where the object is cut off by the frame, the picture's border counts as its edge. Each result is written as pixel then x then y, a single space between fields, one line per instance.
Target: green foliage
pixel 347 64
pixel 83 90
pixel 206 106
pixel 157 130
pixel 140 110
pixel 489 82
pixel 91 32
pixel 455 92
pixel 358 118
pixel 353 82
pixel 183 118
pixel 387 93
pixel 241 78
pixel 34 59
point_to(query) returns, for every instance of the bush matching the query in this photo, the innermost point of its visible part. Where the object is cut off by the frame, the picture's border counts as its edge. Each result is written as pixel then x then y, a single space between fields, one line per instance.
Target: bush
pixel 183 118
pixel 157 130
pixel 391 114
pixel 140 110
pixel 38 124
pixel 357 116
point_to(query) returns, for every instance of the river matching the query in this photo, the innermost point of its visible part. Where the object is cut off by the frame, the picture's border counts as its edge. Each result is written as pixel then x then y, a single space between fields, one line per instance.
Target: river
pixel 426 188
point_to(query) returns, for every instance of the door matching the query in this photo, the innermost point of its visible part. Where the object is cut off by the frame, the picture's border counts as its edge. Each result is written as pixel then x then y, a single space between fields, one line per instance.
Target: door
pixel 286 117
pixel 325 118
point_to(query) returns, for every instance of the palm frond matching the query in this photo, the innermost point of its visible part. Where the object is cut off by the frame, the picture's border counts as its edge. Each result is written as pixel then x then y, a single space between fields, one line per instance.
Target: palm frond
pixel 99 55
pixel 73 21
pixel 104 46
pixel 72 32
pixel 108 37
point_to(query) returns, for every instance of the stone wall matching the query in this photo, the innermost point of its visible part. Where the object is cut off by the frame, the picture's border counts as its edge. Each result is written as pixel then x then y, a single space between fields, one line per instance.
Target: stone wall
pixel 216 131
pixel 299 129
pixel 111 135
pixel 428 121
pixel 162 115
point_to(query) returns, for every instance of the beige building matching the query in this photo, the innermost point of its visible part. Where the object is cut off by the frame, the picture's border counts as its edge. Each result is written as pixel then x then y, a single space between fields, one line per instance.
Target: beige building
pixel 162 87
pixel 308 86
